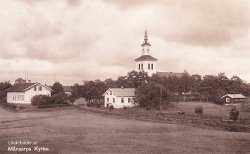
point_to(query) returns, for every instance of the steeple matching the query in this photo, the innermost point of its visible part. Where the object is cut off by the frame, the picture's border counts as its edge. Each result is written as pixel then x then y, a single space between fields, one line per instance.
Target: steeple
pixel 146 62
pixel 146 39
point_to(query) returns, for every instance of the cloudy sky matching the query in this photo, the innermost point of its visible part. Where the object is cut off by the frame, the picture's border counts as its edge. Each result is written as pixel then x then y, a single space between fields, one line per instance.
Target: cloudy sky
pixel 74 40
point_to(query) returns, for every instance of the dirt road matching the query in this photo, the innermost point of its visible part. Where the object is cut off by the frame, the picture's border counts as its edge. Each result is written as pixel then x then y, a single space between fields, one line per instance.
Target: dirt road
pixel 75 131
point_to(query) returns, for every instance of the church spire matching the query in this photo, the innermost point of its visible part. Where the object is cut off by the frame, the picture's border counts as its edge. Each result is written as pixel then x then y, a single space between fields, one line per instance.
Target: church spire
pixel 146 37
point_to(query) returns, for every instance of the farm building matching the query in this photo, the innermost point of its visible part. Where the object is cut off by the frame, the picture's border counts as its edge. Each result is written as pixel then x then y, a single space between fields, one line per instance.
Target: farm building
pixel 67 90
pixel 22 93
pixel 119 97
pixel 233 98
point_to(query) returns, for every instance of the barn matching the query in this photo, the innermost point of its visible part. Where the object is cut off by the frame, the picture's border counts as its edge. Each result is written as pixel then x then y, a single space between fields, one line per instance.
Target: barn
pixel 233 98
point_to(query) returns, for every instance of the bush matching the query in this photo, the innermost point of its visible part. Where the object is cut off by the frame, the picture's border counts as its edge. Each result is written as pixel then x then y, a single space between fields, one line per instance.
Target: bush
pixel 11 106
pixel 234 113
pixel 98 105
pixel 52 105
pixel 40 100
pixel 59 98
pixel 111 107
pixel 198 110
pixel 21 107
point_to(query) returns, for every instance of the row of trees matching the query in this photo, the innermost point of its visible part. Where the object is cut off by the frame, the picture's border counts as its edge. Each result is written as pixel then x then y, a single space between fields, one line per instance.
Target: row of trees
pixel 151 91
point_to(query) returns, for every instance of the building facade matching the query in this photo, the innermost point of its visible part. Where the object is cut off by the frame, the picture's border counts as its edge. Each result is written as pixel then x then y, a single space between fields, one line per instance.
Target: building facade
pixel 119 97
pixel 23 93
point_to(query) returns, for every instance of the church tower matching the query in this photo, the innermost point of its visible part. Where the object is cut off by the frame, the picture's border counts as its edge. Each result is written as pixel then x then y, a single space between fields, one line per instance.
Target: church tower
pixel 146 62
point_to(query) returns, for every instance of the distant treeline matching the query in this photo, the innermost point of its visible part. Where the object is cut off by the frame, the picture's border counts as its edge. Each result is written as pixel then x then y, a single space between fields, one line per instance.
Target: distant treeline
pixel 157 88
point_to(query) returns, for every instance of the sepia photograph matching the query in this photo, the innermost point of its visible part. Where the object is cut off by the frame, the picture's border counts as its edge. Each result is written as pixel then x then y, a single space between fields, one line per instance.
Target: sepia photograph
pixel 124 76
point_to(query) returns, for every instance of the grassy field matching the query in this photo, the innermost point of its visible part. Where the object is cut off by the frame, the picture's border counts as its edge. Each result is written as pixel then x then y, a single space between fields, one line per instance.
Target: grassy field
pixel 75 131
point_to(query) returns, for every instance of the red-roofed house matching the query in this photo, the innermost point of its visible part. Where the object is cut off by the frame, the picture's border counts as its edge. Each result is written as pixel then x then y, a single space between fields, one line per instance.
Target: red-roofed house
pixel 22 93
pixel 119 97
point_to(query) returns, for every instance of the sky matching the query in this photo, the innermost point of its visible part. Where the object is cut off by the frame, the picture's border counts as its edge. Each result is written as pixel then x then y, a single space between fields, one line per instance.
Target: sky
pixel 70 41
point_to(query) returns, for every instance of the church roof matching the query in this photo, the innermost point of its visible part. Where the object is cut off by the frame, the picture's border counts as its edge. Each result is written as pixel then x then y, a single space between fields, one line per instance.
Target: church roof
pixel 146 58
pixel 168 74
pixel 146 43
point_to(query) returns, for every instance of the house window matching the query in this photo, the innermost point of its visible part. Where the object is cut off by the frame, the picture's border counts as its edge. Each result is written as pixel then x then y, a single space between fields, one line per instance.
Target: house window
pixel 113 100
pixel 40 89
pixel 152 67
pixel 149 66
pixel 227 100
pixel 34 88
pixel 129 100
pixel 122 100
pixel 107 100
pixel 142 66
pixel 110 92
pixel 139 67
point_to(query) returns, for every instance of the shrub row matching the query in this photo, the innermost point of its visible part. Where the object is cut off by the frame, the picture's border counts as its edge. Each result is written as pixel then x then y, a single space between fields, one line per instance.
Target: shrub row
pixel 52 105
pixel 8 105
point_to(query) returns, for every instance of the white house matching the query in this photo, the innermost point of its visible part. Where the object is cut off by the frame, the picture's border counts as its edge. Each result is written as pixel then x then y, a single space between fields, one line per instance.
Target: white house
pixel 119 97
pixel 146 62
pixel 22 93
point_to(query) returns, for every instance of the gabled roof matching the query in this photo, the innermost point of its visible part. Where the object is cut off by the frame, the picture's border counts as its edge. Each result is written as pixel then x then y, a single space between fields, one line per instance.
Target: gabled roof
pixel 126 92
pixel 168 74
pixel 67 89
pixel 234 96
pixel 24 87
pixel 146 58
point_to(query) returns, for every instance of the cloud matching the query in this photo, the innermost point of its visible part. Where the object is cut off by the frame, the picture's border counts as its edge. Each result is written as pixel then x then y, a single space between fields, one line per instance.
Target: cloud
pixel 202 23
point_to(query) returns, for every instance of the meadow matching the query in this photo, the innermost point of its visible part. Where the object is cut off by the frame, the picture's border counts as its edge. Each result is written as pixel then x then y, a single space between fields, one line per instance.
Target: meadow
pixel 78 131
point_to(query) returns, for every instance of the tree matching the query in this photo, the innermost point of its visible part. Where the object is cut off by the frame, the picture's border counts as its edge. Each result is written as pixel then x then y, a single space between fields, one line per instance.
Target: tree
pixel 150 94
pixel 3 87
pixel 57 88
pixel 59 98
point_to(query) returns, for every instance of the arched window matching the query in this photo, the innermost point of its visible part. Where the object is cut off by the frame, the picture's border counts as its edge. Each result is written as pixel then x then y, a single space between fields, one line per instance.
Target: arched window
pixel 152 66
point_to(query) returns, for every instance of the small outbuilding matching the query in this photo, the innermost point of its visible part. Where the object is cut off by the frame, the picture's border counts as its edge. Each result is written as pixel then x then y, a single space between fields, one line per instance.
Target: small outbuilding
pixel 233 98
pixel 119 97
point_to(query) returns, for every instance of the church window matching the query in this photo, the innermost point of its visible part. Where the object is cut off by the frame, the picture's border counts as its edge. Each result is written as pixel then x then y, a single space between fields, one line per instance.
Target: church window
pixel 107 100
pixel 139 66
pixel 148 50
pixel 152 66
pixel 149 66
pixel 142 66
pixel 113 100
